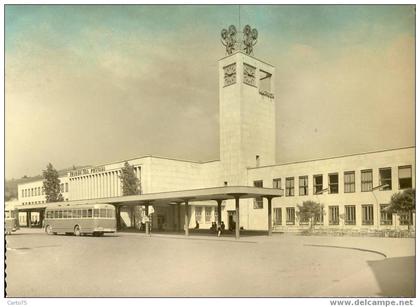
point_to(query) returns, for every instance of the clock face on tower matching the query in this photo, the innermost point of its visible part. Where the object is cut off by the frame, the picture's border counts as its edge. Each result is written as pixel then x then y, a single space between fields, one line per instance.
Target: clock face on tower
pixel 249 74
pixel 230 74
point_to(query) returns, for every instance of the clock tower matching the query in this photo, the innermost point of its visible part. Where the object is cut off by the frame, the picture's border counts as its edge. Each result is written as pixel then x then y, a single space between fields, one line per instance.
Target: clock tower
pixel 247 115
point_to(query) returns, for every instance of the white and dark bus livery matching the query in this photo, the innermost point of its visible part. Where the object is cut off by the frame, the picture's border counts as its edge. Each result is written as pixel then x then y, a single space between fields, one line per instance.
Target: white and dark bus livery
pixel 95 219
pixel 11 222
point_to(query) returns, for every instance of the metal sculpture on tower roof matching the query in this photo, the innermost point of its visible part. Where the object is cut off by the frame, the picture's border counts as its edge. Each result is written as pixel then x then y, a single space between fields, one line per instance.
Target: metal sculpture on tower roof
pixel 247 43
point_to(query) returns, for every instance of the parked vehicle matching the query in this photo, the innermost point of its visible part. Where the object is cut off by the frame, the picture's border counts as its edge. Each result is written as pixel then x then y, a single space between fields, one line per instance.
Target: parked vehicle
pixel 95 219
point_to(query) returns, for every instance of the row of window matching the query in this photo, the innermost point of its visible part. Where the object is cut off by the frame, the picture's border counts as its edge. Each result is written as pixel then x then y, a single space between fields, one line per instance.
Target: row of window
pixel 80 213
pixel 41 191
pixel 208 210
pixel 334 216
pixel 385 182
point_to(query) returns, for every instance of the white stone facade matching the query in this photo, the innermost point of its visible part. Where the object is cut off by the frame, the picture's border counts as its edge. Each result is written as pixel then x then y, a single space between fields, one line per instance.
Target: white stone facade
pixel 247 158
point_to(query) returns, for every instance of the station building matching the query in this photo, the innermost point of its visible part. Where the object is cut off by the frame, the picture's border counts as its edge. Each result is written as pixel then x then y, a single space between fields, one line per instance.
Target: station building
pixel 353 189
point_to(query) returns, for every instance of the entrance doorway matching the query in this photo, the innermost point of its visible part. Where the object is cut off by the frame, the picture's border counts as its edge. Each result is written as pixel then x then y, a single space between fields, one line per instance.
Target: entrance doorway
pixel 161 222
pixel 231 219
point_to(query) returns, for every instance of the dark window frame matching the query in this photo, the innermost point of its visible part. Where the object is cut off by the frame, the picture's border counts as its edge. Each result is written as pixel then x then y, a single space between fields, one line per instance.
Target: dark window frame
pixel 367 214
pixel 364 182
pixel 318 187
pixel 305 187
pixel 290 190
pixel 333 187
pixel 350 219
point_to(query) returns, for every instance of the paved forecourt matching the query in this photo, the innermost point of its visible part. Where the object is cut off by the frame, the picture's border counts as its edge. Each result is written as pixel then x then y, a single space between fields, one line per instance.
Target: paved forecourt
pixel 136 265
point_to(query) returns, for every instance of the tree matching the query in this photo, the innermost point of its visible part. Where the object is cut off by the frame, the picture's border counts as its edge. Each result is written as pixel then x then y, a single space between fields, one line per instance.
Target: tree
pixel 308 211
pixel 51 184
pixel 129 181
pixel 403 203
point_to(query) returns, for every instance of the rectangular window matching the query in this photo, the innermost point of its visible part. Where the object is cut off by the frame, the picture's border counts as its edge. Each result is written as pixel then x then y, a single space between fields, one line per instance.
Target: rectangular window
pixel 102 213
pixel 319 217
pixel 277 183
pixel 67 187
pixel 333 183
pixel 277 216
pixel 367 214
pixel 404 177
pixel 96 213
pixel 198 214
pixel 405 219
pixel 290 219
pixel 290 186
pixel 366 176
pixel 385 177
pixel 386 217
pixel 84 213
pixel 89 213
pixel 258 202
pixel 303 185
pixel 350 218
pixel 60 214
pixel 76 214
pixel 32 192
pixel 56 214
pixel 349 182
pixel 333 215
pixel 318 184
pixel 62 187
pixel 110 213
pixel 208 214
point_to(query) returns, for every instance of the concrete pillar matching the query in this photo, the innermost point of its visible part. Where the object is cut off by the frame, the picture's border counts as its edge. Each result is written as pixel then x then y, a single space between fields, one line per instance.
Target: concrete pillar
pixel 146 211
pixel 219 212
pixel 270 219
pixel 237 234
pixel 28 219
pixel 179 216
pixel 118 216
pixel 187 218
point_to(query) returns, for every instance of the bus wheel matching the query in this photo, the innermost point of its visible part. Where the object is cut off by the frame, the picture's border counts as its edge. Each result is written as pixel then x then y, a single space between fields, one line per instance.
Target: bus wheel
pixel 77 231
pixel 48 229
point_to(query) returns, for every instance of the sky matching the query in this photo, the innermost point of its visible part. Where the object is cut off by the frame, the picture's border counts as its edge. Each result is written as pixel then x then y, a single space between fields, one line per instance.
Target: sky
pixel 87 85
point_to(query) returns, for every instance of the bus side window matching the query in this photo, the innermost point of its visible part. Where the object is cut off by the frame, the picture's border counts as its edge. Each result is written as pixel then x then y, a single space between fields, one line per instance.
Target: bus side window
pixel 102 213
pixel 60 214
pixel 84 213
pixel 89 214
pixel 79 213
pixel 75 214
pixel 108 213
pixel 95 212
pixel 55 214
pixel 70 214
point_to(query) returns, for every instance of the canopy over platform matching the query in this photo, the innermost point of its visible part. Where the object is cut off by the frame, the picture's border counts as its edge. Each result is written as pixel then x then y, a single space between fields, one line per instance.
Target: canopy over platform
pixel 217 194
pixel 173 197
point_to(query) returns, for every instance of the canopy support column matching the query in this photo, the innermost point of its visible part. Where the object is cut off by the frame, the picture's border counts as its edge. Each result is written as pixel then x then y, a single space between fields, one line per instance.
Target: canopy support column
pixel 187 219
pixel 270 221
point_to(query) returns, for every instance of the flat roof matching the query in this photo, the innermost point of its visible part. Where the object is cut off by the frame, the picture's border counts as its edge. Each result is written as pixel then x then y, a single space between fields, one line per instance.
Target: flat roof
pixel 173 197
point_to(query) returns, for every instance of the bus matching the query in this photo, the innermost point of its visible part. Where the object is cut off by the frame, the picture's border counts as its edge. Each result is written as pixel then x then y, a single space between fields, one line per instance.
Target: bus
pixel 11 220
pixel 95 219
